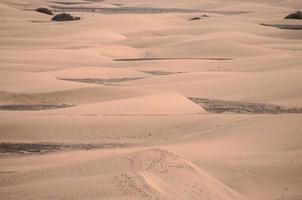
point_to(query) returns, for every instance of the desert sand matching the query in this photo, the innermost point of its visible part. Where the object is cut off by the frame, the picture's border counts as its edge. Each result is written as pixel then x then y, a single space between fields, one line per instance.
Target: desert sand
pixel 161 99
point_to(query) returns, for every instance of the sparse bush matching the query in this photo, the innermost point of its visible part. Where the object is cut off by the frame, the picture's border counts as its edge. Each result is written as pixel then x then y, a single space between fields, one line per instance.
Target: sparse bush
pixel 194 18
pixel 198 18
pixel 64 17
pixel 295 15
pixel 45 11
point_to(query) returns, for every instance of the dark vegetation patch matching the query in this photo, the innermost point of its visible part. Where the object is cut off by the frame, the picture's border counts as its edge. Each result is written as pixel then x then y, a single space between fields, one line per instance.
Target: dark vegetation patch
pixel 38 21
pixel 126 10
pixel 116 4
pixel 140 10
pixel 194 18
pixel 70 3
pixel 44 10
pixel 64 17
pixel 197 18
pixel 222 106
pixel 295 15
pixel 24 107
pixel 98 81
pixel 146 59
pixel 94 0
pixel 160 73
pixel 285 26
pixel 29 148
pixel 7 172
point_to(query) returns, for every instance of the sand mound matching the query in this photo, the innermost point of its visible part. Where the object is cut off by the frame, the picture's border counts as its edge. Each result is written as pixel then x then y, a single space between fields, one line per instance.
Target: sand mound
pixel 144 174
pixel 152 104
pixel 10 81
pixel 206 48
pixel 78 96
pixel 95 73
pixel 64 57
pixel 229 85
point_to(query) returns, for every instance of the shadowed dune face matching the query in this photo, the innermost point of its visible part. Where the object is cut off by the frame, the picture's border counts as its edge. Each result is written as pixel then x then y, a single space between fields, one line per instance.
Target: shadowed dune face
pixel 182 100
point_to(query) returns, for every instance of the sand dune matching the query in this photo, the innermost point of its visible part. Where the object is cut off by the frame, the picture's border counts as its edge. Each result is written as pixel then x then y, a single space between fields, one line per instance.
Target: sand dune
pixel 145 174
pixel 11 81
pixel 78 96
pixel 95 72
pixel 259 87
pixel 138 101
pixel 157 104
pixel 207 48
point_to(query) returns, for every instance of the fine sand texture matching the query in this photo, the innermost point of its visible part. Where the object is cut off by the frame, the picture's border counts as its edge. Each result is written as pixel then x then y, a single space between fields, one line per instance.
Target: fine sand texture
pixel 151 100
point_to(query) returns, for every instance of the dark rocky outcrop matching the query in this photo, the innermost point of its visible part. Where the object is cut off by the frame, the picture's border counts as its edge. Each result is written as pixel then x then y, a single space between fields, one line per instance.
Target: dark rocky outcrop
pixel 64 17
pixel 44 10
pixel 295 15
